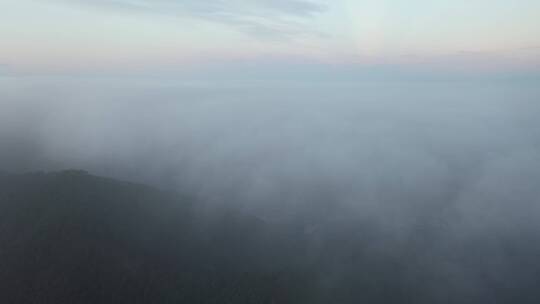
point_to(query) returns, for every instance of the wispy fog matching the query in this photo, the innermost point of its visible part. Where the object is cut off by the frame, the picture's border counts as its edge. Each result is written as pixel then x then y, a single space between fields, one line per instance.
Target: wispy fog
pixel 367 145
pixel 453 162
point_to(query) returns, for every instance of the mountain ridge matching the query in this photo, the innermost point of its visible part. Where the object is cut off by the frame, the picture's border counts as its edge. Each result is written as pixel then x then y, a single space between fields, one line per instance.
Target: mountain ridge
pixel 70 236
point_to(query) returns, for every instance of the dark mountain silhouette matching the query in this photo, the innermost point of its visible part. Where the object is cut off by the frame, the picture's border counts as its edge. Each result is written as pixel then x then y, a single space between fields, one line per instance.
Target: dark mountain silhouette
pixel 70 237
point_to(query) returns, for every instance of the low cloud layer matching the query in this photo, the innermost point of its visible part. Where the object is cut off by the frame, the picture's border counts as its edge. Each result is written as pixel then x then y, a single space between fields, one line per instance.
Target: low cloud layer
pixel 446 174
pixel 258 141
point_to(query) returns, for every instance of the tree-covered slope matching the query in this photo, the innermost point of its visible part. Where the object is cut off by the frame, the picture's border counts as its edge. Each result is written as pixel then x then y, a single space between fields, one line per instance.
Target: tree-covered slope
pixel 70 237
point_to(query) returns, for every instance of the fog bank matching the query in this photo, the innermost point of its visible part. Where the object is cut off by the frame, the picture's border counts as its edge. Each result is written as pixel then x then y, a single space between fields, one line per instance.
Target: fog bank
pixel 356 143
pixel 439 170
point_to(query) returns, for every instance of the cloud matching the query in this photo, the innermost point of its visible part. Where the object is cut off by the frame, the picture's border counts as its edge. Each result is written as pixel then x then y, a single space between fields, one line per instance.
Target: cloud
pixel 261 18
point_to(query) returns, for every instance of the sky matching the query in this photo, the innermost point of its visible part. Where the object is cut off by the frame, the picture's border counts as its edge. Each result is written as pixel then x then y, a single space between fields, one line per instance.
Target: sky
pixel 186 36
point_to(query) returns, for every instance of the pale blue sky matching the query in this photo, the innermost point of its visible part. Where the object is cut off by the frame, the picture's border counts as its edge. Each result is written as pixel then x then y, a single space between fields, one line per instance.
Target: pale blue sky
pixel 138 35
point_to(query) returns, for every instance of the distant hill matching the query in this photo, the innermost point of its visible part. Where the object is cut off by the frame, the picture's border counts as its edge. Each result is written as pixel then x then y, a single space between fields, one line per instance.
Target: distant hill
pixel 71 237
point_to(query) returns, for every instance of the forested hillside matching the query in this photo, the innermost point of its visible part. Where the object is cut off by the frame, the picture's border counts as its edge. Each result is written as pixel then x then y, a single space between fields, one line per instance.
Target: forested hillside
pixel 70 237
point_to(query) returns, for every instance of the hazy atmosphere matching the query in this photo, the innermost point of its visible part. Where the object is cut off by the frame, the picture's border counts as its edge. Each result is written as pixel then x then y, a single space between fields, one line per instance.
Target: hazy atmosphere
pixel 390 150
